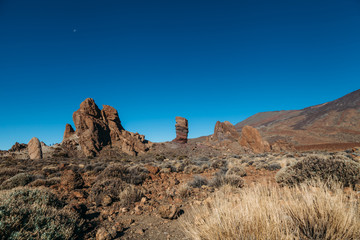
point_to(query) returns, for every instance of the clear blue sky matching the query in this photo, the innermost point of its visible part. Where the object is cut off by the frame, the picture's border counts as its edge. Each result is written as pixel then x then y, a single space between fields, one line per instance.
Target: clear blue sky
pixel 154 60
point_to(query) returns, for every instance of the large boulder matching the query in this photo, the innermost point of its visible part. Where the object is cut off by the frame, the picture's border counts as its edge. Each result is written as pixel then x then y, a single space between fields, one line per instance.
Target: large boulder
pixel 34 149
pixel 225 138
pixel 251 139
pixel 225 131
pixel 96 129
pixel 182 130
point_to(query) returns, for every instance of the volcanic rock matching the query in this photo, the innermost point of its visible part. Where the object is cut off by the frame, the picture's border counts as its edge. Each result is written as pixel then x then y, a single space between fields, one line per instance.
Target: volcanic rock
pixel 69 131
pixel 169 211
pixel 225 131
pixel 97 129
pixel 251 138
pixel 93 132
pixel 128 142
pixel 17 147
pixel 34 149
pixel 182 130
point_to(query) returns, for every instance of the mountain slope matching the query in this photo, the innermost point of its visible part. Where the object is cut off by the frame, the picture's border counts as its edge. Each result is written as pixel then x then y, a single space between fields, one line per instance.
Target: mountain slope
pixel 337 121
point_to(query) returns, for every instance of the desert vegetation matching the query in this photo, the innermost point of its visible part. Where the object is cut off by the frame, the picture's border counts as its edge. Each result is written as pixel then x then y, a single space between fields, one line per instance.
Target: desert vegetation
pixel 191 196
pixel 305 211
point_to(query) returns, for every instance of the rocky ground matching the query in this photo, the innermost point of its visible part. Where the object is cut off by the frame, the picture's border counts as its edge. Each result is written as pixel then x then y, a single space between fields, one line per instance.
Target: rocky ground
pixel 146 196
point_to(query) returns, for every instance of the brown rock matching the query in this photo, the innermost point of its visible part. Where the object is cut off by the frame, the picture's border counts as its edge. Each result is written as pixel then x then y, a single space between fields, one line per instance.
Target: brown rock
pixel 71 180
pixel 225 131
pixel 182 130
pixel 69 131
pixel 106 233
pixel 251 138
pixel 17 147
pixel 169 211
pixel 152 169
pixel 92 131
pixel 34 148
pixel 97 129
pixel 128 142
pixel 107 200
pixel 225 137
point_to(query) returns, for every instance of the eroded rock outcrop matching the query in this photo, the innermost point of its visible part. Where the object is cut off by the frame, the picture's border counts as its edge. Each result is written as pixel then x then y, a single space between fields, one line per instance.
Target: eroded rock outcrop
pixel 96 129
pixel 225 131
pixel 225 138
pixel 182 130
pixel 251 138
pixel 69 131
pixel 34 149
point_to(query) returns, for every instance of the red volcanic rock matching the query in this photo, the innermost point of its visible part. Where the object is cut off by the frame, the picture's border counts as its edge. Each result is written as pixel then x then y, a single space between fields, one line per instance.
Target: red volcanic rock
pixel 34 149
pixel 97 129
pixel 69 131
pixel 225 131
pixel 251 138
pixel 182 130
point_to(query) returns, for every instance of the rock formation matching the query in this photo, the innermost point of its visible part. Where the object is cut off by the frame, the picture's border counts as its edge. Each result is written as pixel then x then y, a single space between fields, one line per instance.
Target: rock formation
pixel 69 131
pixel 96 129
pixel 225 131
pixel 17 147
pixel 34 148
pixel 251 138
pixel 182 130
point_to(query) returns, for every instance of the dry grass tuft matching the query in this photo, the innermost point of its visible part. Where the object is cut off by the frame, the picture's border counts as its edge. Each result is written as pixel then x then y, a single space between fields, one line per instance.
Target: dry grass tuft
pixel 306 211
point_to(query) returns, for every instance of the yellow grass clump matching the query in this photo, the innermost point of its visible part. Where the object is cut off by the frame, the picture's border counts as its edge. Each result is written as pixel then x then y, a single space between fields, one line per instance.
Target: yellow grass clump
pixel 309 211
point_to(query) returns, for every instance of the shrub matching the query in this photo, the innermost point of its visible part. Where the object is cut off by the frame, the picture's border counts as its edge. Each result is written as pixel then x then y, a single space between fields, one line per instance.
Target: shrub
pixel 198 181
pixel 134 175
pixel 130 195
pixel 45 182
pixel 234 180
pixel 221 179
pixel 36 214
pixel 218 163
pixel 347 172
pixel 18 180
pixel 192 169
pixel 272 213
pixel 184 191
pixel 273 166
pixel 106 188
pixel 6 173
pixel 237 170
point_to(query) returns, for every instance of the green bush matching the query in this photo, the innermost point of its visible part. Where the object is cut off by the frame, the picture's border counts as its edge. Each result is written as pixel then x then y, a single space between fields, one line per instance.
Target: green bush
pixel 36 214
pixel 345 171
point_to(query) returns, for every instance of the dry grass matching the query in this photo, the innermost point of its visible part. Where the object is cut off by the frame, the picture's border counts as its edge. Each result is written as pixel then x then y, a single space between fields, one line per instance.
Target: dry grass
pixel 265 212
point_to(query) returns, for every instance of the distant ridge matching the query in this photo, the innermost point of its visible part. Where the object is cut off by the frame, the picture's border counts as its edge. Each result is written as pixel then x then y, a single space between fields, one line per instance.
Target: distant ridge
pixel 337 121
